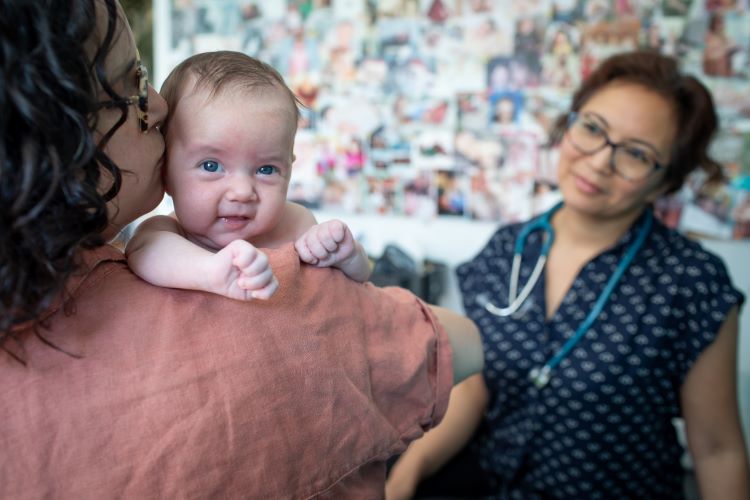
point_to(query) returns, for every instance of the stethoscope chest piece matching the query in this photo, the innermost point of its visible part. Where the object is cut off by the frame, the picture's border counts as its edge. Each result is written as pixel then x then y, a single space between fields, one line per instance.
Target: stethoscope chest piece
pixel 540 376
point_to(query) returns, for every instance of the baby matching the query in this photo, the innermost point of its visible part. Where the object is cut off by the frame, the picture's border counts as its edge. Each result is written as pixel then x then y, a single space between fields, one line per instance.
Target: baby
pixel 230 139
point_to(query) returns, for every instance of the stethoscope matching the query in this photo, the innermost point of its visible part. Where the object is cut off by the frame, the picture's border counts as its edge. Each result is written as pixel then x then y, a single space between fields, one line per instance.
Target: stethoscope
pixel 541 375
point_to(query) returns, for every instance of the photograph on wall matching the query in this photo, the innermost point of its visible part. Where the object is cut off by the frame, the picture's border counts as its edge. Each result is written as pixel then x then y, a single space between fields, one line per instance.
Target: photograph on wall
pixel 444 107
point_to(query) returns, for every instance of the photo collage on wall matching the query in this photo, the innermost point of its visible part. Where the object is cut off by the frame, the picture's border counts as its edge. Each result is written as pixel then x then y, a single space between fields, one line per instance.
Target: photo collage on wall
pixel 429 108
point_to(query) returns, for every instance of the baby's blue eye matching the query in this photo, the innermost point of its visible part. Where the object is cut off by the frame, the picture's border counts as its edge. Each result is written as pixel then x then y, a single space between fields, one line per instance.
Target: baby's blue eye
pixel 210 166
pixel 267 170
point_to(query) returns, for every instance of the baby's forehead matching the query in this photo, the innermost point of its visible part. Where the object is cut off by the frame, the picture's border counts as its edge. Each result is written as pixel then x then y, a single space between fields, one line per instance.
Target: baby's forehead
pixel 207 92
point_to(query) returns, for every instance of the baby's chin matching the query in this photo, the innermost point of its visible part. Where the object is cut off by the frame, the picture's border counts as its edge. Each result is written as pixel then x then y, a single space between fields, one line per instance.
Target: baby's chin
pixel 217 242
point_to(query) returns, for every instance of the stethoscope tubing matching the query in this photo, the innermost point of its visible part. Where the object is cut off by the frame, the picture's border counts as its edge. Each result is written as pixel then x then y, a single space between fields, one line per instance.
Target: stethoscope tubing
pixel 541 375
pixel 515 302
pixel 627 259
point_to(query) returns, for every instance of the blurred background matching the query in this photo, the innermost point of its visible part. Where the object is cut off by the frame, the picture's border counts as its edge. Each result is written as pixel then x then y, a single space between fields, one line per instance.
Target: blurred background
pixel 426 108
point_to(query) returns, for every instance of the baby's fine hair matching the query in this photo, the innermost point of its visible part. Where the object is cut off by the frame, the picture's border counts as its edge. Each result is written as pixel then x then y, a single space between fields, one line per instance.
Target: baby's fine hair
pixel 221 70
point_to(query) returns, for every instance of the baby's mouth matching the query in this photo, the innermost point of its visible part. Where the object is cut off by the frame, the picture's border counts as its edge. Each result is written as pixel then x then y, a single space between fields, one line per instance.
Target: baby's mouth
pixel 234 221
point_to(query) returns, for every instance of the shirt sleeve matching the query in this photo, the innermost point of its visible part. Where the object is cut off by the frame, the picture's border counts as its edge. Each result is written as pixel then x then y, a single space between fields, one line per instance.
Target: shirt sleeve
pixel 410 360
pixel 706 296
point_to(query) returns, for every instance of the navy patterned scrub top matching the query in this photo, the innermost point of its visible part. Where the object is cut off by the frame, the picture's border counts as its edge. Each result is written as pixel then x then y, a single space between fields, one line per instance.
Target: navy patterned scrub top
pixel 601 427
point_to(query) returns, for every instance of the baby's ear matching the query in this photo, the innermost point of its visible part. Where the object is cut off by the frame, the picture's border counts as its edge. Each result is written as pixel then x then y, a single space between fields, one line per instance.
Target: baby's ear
pixel 294 157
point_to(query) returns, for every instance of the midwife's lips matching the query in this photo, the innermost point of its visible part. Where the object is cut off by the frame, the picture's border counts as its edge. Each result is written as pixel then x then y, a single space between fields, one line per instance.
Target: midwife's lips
pixel 587 187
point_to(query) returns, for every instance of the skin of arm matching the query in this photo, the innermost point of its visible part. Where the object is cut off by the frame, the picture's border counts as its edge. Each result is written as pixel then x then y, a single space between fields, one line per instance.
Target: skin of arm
pixel 709 406
pixel 160 254
pixel 427 455
pixel 468 354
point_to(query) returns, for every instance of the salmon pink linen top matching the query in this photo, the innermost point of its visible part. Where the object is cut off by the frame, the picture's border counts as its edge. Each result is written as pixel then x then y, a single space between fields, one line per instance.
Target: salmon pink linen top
pixel 162 393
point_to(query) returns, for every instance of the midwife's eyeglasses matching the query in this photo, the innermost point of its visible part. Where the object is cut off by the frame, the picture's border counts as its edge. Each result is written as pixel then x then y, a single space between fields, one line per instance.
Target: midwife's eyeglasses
pixel 630 159
pixel 140 101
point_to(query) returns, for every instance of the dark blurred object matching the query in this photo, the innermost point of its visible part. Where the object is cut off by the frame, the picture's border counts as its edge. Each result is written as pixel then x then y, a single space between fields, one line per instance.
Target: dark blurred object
pixel 141 18
pixel 396 268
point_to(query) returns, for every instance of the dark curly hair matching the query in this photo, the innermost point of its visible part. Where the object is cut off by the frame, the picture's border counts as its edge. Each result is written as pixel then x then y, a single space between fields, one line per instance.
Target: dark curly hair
pixel 697 121
pixel 50 162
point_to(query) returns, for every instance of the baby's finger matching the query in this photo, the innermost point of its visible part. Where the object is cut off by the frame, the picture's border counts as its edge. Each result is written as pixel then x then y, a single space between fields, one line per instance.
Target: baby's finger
pixel 266 292
pixel 337 230
pixel 243 253
pixel 257 281
pixel 305 255
pixel 255 267
pixel 328 238
pixel 319 250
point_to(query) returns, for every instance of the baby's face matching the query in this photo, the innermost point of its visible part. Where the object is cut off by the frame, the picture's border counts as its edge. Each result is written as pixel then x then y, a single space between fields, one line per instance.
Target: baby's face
pixel 229 161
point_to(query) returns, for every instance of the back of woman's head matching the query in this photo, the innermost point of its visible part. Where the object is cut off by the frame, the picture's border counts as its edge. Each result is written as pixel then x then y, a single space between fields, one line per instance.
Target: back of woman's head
pixel 50 163
pixel 692 102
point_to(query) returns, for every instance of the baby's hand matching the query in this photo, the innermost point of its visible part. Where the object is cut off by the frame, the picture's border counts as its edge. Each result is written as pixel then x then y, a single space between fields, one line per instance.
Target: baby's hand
pixel 240 271
pixel 326 244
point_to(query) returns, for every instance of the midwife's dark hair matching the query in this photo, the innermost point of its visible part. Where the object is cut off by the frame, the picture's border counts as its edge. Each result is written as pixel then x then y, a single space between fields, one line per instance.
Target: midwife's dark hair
pixel 692 102
pixel 52 84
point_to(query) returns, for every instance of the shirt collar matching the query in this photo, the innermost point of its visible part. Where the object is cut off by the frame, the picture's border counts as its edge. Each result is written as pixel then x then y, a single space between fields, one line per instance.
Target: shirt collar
pixel 631 234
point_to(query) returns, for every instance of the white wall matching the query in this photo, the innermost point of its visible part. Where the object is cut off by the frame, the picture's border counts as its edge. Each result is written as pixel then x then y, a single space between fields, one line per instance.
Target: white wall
pixel 454 240
pixel 736 255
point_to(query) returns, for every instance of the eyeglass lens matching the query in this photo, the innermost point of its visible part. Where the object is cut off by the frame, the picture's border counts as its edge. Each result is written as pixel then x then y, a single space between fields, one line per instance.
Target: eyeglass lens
pixel 631 161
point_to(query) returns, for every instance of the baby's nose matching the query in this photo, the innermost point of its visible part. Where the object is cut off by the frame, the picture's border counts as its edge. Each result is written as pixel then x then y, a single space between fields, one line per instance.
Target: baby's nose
pixel 241 189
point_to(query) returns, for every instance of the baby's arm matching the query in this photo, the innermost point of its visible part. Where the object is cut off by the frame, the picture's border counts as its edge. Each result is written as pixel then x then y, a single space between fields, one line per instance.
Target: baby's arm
pixel 161 255
pixel 331 243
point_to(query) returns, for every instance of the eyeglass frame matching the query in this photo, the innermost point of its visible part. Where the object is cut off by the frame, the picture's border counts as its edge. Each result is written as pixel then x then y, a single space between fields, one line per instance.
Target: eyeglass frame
pixel 140 101
pixel 574 116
